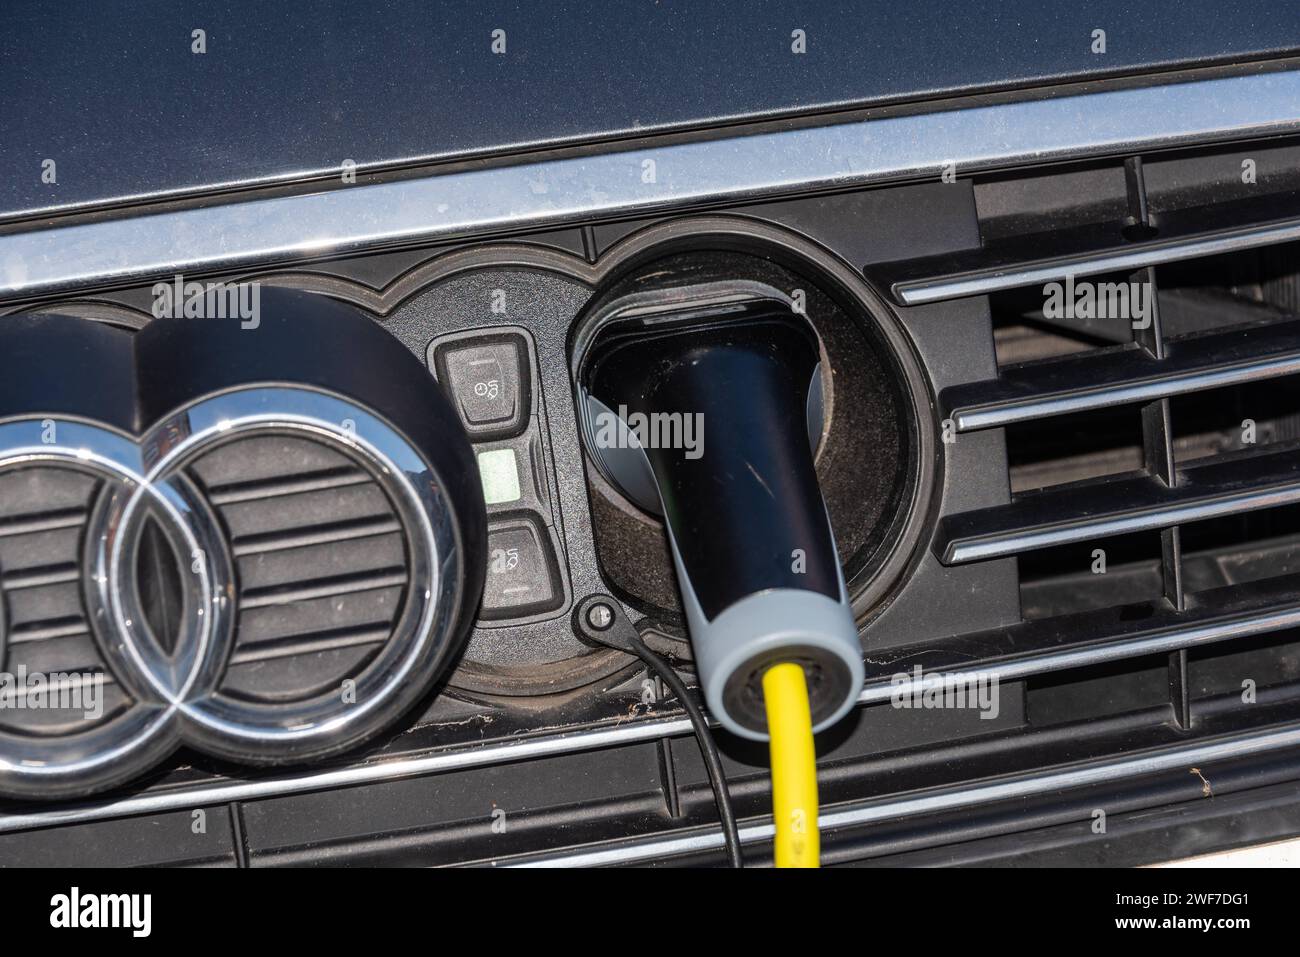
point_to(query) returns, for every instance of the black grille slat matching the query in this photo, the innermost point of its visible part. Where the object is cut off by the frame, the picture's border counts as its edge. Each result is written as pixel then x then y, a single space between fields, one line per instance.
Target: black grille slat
pixel 1092 251
pixel 274 648
pixel 1106 378
pixel 262 490
pixel 41 576
pixel 319 560
pixel 1110 634
pixel 324 588
pixel 48 630
pixel 305 510
pixel 1121 432
pixel 318 615
pixel 43 522
pixel 326 534
pixel 1229 485
pixel 41 552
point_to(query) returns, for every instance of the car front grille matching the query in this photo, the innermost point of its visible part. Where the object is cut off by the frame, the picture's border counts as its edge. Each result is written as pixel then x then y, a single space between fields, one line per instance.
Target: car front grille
pixel 1112 543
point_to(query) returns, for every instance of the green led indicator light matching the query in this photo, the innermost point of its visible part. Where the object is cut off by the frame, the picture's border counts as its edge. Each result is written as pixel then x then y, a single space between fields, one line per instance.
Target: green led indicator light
pixel 499 474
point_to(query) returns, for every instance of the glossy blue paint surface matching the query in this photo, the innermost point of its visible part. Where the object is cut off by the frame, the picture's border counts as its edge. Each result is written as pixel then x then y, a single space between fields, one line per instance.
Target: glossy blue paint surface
pixel 115 96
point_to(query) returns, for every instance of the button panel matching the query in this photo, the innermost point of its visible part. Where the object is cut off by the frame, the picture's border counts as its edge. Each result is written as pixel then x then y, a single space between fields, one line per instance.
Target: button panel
pixel 522 577
pixel 488 379
pixel 491 377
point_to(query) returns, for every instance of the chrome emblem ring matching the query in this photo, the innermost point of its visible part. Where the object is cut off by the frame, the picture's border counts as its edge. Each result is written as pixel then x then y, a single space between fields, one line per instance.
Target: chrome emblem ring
pixel 176 689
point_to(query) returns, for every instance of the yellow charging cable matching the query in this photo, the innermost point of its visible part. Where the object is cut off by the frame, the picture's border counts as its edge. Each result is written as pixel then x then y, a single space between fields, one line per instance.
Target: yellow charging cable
pixel 794 766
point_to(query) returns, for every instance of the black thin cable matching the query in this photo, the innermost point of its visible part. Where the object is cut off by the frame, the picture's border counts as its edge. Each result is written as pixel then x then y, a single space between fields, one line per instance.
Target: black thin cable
pixel 708 747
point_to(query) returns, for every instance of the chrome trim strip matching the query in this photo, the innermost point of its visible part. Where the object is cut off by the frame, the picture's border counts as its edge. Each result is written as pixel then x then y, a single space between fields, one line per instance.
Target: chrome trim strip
pixel 738 168
pixel 1155 641
pixel 876 691
pixel 1212 503
pixel 645 730
pixel 917 292
pixel 1003 412
pixel 574 742
pixel 452 760
pixel 871 812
